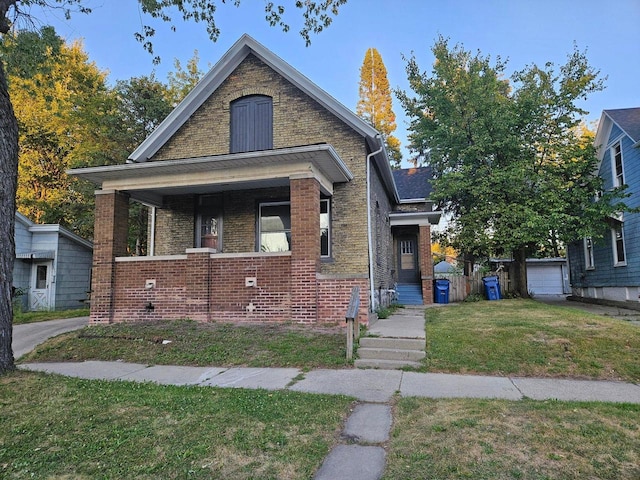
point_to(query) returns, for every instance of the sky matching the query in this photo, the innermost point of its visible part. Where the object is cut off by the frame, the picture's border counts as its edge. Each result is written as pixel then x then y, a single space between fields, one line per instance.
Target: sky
pixel 523 32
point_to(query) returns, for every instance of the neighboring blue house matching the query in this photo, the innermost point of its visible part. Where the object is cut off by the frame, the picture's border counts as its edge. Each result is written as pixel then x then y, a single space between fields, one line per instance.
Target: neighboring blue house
pixel 52 267
pixel 609 269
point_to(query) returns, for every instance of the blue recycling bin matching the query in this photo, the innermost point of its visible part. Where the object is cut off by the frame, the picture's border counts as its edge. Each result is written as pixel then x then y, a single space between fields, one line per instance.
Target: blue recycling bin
pixel 492 288
pixel 441 290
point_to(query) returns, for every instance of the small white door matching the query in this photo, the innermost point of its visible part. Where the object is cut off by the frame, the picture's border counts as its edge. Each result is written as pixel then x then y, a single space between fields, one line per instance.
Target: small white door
pixel 40 292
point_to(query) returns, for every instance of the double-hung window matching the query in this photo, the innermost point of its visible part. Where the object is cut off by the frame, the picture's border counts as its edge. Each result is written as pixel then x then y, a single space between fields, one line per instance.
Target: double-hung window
pixel 274 227
pixel 617 165
pixel 617 238
pixel 588 253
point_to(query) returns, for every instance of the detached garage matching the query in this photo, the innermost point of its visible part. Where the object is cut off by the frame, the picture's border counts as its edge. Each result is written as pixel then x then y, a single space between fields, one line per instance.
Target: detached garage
pixel 545 276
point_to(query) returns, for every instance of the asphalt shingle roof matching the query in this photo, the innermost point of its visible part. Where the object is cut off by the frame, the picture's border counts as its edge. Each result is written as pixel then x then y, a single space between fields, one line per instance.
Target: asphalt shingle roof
pixel 628 119
pixel 413 182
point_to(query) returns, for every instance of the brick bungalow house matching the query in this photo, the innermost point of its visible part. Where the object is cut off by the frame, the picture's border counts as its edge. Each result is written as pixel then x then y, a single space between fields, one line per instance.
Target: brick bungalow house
pixel 269 202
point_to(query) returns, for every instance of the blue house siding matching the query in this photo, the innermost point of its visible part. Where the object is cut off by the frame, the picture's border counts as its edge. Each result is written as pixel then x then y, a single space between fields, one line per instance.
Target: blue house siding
pixel 606 280
pixel 21 268
pixel 73 274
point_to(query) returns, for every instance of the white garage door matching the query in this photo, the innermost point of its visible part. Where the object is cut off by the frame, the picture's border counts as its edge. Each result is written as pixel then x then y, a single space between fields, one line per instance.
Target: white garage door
pixel 544 279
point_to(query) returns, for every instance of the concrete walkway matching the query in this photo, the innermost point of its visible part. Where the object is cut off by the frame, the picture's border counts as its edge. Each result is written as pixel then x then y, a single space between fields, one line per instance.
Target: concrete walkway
pixel 27 336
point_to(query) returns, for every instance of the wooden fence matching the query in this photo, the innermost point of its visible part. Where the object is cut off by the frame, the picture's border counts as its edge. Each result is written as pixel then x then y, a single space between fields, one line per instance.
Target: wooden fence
pixel 461 287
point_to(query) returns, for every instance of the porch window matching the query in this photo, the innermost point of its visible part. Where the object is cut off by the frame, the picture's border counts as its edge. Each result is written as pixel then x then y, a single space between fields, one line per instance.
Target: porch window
pixel 251 124
pixel 275 227
pixel 617 236
pixel 588 253
pixel 325 230
pixel 617 165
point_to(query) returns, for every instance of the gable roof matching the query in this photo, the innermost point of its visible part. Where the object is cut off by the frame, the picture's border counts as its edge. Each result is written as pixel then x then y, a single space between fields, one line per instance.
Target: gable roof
pixel 413 183
pixel 628 119
pixel 213 79
pixel 245 46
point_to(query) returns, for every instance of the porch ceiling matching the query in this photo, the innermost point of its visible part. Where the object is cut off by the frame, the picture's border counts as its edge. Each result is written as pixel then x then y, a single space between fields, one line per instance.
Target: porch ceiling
pixel 150 181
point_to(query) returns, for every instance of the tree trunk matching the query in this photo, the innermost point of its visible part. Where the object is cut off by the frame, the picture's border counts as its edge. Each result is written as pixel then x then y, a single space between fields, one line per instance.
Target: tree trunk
pixel 8 185
pixel 520 277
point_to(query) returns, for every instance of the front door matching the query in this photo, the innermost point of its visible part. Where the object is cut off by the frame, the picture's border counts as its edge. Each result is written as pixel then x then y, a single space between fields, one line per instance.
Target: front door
pixel 408 259
pixel 40 291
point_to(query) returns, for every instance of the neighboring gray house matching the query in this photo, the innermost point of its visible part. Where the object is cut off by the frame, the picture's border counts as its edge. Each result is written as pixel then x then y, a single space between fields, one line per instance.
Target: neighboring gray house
pixel 52 267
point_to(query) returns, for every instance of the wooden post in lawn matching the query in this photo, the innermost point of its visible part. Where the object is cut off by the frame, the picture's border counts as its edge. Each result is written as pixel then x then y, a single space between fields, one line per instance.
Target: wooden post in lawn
pixel 350 318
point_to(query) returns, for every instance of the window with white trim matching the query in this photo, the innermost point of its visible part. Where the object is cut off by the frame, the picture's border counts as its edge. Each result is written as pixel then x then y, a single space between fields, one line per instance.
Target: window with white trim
pixel 617 165
pixel 617 238
pixel 274 227
pixel 588 253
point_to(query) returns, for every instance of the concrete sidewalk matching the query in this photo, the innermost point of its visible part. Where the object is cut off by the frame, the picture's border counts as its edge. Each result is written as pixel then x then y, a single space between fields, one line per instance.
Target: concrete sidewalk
pixel 376 386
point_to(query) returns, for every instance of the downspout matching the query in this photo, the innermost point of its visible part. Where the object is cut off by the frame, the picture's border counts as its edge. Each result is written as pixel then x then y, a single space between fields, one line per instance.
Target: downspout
pixel 369 227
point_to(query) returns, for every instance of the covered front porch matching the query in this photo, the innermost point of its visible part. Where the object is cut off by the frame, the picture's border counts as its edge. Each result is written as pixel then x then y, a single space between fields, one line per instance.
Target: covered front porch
pixel 412 256
pixel 236 237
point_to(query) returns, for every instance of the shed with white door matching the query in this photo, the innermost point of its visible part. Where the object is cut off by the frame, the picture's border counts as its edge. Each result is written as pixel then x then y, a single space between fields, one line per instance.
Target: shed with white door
pixel 52 270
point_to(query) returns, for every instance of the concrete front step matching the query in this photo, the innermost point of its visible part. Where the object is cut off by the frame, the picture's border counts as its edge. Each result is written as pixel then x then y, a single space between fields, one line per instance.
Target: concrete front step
pixel 385 364
pixel 390 354
pixel 392 342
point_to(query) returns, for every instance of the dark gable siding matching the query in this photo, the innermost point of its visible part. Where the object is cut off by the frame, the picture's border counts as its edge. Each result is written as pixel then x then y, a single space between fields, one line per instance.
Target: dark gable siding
pixel 252 124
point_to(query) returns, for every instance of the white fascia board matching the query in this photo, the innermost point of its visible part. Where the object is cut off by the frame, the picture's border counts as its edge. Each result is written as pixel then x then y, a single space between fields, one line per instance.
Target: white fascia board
pixel 398 219
pixel 55 228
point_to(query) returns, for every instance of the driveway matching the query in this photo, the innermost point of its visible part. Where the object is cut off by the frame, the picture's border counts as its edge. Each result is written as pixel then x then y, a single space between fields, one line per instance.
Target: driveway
pixel 621 313
pixel 28 335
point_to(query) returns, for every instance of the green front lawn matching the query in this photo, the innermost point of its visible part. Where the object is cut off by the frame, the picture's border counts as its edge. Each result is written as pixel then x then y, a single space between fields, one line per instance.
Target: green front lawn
pixel 528 440
pixel 55 427
pixel 528 338
pixel 200 344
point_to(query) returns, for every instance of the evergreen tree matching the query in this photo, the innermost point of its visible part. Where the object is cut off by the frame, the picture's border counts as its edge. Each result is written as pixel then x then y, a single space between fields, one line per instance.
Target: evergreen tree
pixel 374 105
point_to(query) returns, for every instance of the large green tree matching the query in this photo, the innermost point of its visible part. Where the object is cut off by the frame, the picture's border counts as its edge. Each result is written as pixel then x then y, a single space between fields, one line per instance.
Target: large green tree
pixel 316 17
pixel 510 164
pixel 375 102
pixel 60 101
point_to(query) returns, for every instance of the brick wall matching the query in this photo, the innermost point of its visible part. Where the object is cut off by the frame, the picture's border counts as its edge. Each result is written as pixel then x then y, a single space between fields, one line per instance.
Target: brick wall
pixel 426 263
pixel 334 293
pixel 203 287
pixel 175 225
pixel 181 285
pixel 382 243
pixel 110 241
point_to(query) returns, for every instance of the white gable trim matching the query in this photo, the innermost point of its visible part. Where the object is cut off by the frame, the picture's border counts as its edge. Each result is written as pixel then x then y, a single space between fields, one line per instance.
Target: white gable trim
pixel 214 78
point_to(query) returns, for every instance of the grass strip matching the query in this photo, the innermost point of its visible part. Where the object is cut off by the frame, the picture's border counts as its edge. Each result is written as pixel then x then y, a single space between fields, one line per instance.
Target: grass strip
pixel 20 317
pixel 528 338
pixel 55 427
pixel 529 440
pixel 200 344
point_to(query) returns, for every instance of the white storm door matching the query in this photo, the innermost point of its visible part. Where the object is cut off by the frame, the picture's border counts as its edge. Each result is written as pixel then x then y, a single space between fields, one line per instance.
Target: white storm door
pixel 40 292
